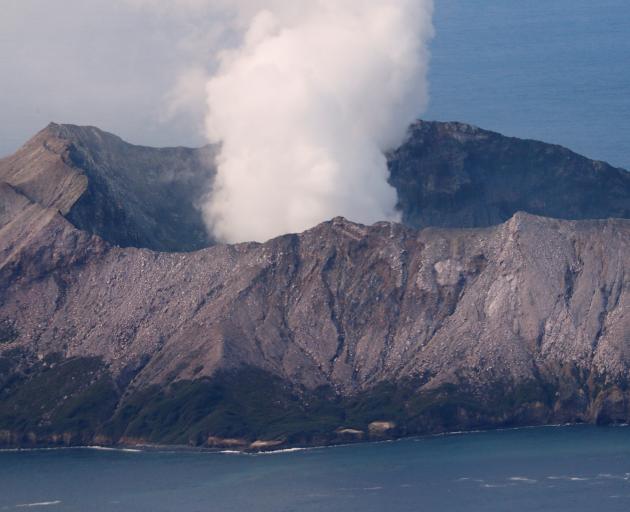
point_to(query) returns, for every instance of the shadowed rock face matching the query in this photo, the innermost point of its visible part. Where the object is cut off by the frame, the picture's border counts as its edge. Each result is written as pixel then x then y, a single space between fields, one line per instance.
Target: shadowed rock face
pixel 457 175
pixel 446 175
pixel 128 195
pixel 309 338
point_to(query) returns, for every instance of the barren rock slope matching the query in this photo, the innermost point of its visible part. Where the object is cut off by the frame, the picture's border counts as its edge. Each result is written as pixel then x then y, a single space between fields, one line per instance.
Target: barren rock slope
pixel 129 195
pixel 341 331
pixel 445 174
pixel 457 175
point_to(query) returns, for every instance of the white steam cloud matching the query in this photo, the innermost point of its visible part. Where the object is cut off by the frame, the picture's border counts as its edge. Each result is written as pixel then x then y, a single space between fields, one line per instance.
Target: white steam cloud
pixel 304 103
pixel 304 107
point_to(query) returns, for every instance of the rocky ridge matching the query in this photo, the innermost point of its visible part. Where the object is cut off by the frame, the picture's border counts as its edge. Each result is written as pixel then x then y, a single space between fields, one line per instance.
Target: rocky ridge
pixel 445 174
pixel 343 332
pixel 128 195
pixel 457 175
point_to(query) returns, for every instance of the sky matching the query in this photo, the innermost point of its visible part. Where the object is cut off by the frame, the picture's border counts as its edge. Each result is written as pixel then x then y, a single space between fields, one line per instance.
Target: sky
pixel 305 97
pixel 116 64
pixel 109 63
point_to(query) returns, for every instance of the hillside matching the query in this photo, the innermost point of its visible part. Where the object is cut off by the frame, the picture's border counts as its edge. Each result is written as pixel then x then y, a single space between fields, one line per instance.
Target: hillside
pixel 131 196
pixel 457 175
pixel 445 174
pixel 343 332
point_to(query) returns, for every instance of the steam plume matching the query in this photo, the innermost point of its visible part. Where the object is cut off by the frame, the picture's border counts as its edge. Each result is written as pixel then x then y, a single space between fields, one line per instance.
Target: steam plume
pixel 304 107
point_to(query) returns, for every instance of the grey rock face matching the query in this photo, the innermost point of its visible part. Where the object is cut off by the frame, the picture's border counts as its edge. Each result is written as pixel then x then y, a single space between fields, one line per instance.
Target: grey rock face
pixel 533 301
pixel 446 175
pixel 457 175
pixel 344 331
pixel 129 195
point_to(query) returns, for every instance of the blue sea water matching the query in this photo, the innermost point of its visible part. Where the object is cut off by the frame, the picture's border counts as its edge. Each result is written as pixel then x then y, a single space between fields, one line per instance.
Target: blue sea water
pixel 552 70
pixel 554 469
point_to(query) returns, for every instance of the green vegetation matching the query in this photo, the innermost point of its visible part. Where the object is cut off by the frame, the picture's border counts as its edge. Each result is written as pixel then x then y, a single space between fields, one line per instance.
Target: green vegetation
pixel 247 404
pixel 77 399
pixel 230 406
pixel 74 396
pixel 8 332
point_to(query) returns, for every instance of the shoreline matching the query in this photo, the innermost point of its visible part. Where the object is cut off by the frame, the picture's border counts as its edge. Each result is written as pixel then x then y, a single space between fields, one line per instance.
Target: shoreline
pixel 148 448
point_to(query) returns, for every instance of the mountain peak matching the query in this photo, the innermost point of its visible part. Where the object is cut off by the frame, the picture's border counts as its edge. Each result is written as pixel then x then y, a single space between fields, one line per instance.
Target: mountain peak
pixel 344 324
pixel 446 175
pixel 128 195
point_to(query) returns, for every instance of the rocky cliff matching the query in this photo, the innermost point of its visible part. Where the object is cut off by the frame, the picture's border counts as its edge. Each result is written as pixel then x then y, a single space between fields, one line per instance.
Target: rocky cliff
pixel 457 175
pixel 340 333
pixel 128 195
pixel 445 174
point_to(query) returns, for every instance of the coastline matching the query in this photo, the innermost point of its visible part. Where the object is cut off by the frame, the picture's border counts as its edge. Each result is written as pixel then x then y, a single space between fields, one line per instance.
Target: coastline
pixel 148 448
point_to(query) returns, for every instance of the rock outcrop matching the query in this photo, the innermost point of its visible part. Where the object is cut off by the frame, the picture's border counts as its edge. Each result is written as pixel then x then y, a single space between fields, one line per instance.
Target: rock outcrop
pixel 324 336
pixel 445 174
pixel 131 196
pixel 457 175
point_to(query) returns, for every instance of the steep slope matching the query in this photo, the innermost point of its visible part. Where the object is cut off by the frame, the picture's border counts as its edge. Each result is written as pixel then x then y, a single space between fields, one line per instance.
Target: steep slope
pixel 446 175
pixel 457 175
pixel 41 170
pixel 129 195
pixel 341 332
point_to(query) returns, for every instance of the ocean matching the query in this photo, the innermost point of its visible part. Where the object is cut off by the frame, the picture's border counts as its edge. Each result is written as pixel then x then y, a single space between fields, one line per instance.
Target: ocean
pixel 556 70
pixel 572 469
